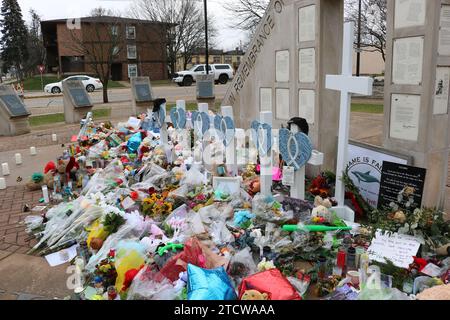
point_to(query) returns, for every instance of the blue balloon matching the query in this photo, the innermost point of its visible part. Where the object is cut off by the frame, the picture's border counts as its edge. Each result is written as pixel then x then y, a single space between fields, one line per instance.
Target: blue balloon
pixel 134 142
pixel 214 284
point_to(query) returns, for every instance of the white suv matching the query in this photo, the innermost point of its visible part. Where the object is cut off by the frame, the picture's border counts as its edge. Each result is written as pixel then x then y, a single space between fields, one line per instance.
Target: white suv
pixel 222 74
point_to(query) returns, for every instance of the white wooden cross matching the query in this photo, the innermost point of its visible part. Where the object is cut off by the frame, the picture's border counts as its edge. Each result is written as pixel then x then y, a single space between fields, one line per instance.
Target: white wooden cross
pixel 230 150
pixel 298 189
pixel 163 131
pixel 184 134
pixel 266 174
pixel 200 148
pixel 347 85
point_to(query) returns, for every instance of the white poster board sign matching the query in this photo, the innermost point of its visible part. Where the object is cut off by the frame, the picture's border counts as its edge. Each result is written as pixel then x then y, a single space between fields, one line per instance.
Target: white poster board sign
pixel 398 248
pixel 364 168
pixel 282 104
pixel 265 99
pixel 229 185
pixel 306 107
pixel 441 92
pixel 444 33
pixel 282 66
pixel 307 65
pixel 307 23
pixel 405 113
pixel 408 61
pixel 410 13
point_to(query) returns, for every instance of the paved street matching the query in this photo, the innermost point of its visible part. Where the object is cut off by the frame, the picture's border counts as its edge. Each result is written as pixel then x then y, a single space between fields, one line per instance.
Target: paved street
pixel 54 103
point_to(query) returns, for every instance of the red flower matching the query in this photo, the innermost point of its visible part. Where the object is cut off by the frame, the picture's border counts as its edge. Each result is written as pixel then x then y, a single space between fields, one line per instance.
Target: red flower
pixel 134 195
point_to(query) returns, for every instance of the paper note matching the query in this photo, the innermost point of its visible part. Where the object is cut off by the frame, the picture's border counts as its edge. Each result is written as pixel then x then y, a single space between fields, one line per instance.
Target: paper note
pixel 441 93
pixel 282 66
pixel 306 105
pixel 61 257
pixel 408 61
pixel 444 34
pixel 288 176
pixel 405 116
pixel 133 122
pixel 410 13
pixel 307 23
pixel 265 99
pixel 307 65
pixel 400 249
pixel 127 203
pixel 282 104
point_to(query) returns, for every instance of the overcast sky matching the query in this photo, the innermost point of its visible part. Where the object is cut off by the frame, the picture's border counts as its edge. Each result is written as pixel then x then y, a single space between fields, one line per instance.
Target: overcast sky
pixel 58 9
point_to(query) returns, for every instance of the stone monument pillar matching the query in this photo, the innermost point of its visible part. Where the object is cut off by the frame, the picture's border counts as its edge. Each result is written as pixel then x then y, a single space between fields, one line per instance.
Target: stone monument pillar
pixel 143 96
pixel 417 87
pixel 13 113
pixel 297 43
pixel 77 102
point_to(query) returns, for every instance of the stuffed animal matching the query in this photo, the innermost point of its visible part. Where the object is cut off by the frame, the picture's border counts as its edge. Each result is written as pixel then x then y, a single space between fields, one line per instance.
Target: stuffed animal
pixel 254 295
pixel 322 209
pixel 321 212
pixel 319 201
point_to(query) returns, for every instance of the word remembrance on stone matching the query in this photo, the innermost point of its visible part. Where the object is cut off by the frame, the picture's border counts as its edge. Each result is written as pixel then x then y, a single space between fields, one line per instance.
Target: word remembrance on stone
pixel 265 32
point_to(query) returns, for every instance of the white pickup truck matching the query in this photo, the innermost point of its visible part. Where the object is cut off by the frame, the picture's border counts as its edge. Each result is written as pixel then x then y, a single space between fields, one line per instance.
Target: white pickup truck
pixel 222 74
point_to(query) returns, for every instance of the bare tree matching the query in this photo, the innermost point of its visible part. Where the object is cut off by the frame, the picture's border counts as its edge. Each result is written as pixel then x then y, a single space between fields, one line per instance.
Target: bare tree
pixel 246 13
pixel 101 42
pixel 185 22
pixel 373 23
pixel 35 44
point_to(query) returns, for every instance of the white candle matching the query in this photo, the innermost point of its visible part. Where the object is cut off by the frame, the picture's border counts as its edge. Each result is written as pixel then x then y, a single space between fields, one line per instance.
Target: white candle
pixel 2 184
pixel 45 194
pixel 54 137
pixel 33 151
pixel 18 157
pixel 5 169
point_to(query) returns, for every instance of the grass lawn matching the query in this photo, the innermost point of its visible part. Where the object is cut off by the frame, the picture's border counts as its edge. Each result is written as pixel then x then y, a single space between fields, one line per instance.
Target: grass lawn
pixel 114 84
pixel 367 108
pixel 59 117
pixel 34 83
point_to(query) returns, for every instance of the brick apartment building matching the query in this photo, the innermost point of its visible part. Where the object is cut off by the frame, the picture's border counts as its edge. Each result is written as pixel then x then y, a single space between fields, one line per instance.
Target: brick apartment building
pixel 139 46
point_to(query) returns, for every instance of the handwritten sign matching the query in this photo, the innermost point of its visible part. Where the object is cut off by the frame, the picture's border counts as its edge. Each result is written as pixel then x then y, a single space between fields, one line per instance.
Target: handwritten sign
pixel 398 248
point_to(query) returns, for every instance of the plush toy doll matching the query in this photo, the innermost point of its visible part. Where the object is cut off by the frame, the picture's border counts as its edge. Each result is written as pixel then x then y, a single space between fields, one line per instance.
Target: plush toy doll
pixel 36 182
pixel 322 209
pixel 254 295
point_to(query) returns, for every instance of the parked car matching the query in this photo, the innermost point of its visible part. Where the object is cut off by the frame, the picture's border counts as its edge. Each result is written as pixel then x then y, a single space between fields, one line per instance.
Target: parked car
pixel 379 79
pixel 91 84
pixel 222 74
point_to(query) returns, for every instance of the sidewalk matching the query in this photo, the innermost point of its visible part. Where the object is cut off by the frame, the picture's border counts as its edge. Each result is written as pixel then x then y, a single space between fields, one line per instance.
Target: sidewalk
pixel 24 277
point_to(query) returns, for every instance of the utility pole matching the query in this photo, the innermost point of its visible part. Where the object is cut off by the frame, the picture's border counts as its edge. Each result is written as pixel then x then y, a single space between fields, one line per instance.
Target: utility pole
pixel 358 50
pixel 206 36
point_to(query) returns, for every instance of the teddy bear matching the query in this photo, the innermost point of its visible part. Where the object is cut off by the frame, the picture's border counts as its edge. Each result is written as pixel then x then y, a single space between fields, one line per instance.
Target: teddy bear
pixel 322 209
pixel 254 295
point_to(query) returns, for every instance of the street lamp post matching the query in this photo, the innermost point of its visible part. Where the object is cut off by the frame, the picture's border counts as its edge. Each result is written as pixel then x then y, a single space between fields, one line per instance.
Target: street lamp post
pixel 205 2
pixel 358 52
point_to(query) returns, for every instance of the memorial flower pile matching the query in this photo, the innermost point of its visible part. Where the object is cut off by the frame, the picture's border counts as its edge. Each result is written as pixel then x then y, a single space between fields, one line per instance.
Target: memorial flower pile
pixel 148 221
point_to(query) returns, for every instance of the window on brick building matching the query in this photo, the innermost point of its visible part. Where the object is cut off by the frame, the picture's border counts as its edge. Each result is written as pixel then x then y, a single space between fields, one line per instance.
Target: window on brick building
pixel 228 59
pixel 115 30
pixel 131 32
pixel 131 52
pixel 132 70
pixel 217 59
pixel 115 51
